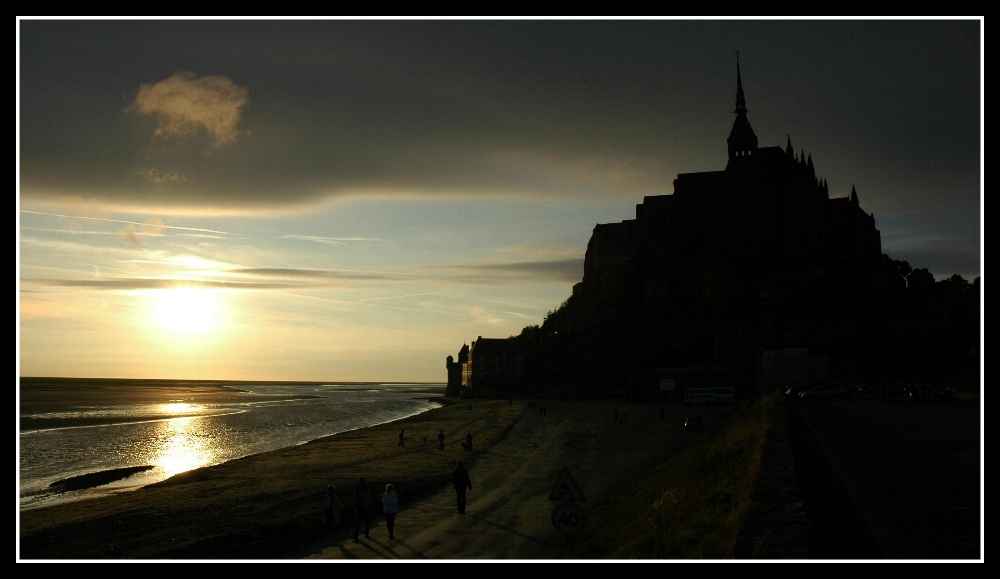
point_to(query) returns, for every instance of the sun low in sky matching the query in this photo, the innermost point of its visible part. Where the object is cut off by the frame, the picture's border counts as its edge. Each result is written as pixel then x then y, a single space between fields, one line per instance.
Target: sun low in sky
pixel 187 311
pixel 339 200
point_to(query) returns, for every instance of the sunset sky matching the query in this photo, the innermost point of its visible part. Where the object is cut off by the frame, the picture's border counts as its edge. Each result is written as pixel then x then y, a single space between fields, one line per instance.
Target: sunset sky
pixel 333 200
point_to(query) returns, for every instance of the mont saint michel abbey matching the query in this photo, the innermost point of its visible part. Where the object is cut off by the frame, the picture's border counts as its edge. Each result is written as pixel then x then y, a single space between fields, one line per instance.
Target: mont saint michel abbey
pixel 748 277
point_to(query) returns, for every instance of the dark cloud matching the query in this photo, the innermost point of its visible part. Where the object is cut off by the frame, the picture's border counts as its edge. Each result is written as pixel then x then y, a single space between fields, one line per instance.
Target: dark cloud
pixel 461 107
pixel 532 109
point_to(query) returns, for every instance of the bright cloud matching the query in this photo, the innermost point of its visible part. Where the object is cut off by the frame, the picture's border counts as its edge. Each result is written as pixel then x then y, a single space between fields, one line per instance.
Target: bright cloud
pixel 187 105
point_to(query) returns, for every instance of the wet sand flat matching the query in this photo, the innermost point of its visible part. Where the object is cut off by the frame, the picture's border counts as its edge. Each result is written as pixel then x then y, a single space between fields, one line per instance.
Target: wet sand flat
pixel 38 396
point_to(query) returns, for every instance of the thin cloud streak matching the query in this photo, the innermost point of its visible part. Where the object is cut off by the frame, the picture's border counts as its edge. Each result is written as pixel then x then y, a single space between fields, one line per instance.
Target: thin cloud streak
pixel 333 240
pixel 400 297
pixel 150 284
pixel 570 270
pixel 159 224
pixel 324 274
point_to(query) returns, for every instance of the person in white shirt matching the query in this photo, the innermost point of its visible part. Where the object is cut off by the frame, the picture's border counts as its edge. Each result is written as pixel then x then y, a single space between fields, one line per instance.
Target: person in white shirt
pixel 331 509
pixel 390 506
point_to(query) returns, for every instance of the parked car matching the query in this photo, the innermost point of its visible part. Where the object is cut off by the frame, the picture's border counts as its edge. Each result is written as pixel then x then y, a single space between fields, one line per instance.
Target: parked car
pixel 794 388
pixel 862 388
pixel 828 391
pixel 942 394
pixel 930 393
pixel 703 398
pixel 693 423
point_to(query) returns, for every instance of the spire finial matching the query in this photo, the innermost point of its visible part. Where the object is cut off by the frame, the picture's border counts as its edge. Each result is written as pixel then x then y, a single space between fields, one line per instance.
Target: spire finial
pixel 741 104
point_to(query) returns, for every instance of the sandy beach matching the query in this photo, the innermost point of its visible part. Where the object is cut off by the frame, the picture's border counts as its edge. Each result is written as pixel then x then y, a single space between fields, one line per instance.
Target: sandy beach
pixel 267 506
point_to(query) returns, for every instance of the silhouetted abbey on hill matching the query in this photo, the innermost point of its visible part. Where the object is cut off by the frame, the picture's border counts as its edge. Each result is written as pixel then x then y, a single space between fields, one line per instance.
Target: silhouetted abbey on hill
pixel 747 277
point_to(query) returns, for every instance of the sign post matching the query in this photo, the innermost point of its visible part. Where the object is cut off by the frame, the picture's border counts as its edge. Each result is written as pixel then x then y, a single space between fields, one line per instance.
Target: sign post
pixel 568 517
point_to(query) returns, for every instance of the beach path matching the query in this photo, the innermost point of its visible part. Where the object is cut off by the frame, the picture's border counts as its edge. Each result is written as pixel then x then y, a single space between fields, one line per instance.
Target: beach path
pixel 509 514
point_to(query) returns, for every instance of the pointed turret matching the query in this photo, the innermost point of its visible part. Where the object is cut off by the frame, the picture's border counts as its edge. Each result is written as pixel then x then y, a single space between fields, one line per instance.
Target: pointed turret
pixel 854 195
pixel 742 140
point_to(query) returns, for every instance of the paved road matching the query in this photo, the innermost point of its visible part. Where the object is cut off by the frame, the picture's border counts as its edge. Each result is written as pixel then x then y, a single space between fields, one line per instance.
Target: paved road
pixel 509 512
pixel 913 470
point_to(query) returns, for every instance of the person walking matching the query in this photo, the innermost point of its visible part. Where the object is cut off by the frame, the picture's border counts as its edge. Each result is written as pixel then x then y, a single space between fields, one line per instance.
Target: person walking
pixel 468 442
pixel 460 478
pixel 441 440
pixel 402 438
pixel 390 506
pixel 331 509
pixel 362 503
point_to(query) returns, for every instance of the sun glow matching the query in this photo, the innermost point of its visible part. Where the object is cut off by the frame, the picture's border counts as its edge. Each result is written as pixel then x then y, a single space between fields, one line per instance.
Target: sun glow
pixel 187 310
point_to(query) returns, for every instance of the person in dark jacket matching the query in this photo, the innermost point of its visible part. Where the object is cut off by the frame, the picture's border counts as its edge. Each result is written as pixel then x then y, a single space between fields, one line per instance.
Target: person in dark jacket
pixel 362 504
pixel 460 478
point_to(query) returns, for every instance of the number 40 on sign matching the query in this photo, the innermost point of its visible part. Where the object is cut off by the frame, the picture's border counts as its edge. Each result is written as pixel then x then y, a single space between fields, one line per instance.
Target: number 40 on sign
pixel 569 518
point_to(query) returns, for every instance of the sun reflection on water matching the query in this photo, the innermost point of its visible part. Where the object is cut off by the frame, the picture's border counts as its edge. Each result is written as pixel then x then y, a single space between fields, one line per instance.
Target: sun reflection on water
pixel 185 447
pixel 179 408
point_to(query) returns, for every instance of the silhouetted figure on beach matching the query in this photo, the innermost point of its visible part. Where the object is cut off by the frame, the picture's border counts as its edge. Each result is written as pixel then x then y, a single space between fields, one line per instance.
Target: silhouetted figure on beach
pixel 402 438
pixel 390 506
pixel 468 442
pixel 331 509
pixel 362 504
pixel 460 478
pixel 441 440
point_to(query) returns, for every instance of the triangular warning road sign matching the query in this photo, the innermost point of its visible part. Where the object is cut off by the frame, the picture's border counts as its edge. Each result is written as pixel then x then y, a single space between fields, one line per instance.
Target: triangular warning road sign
pixel 566 488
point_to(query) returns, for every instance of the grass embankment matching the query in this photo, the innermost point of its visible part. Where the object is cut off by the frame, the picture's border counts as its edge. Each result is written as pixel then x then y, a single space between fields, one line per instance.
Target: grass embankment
pixel 691 506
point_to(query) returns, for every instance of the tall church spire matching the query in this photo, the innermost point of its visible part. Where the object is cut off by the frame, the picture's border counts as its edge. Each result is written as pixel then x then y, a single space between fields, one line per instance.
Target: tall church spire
pixel 742 140
pixel 741 103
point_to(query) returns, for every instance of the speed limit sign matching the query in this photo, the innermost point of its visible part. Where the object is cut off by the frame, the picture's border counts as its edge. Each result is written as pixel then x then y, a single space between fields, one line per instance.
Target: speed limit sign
pixel 569 518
